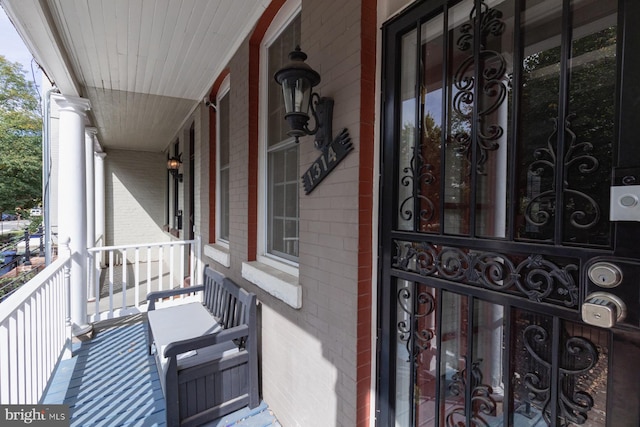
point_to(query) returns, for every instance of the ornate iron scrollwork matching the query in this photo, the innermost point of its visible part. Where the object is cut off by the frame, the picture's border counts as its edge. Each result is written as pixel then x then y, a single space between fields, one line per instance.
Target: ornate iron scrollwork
pixel 584 210
pixel 423 306
pixel 417 174
pixel 579 356
pixel 495 84
pixel 534 277
pixel 482 402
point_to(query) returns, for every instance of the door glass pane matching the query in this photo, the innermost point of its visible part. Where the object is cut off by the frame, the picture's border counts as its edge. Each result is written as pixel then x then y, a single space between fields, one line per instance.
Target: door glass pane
pixel 429 155
pixel 415 354
pixel 494 108
pixel 460 108
pixel 485 381
pixel 540 31
pixel 408 180
pixel 590 125
pixel 582 372
pixel 487 387
pixel 404 308
pixel 425 356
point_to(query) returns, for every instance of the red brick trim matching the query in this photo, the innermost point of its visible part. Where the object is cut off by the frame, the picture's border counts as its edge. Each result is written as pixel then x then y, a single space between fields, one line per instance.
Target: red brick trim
pixel 368 34
pixel 253 128
pixel 213 135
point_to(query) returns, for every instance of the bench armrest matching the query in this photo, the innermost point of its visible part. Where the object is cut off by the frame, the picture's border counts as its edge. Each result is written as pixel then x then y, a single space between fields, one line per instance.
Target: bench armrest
pixel 196 343
pixel 154 296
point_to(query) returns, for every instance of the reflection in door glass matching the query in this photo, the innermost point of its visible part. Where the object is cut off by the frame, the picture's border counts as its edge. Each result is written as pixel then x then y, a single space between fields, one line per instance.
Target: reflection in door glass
pixel 582 373
pixel 416 352
pixel 484 381
pixel 590 124
pixel 494 114
pixel 566 131
pixel 408 180
pixel 453 357
pixel 458 131
pixel 487 388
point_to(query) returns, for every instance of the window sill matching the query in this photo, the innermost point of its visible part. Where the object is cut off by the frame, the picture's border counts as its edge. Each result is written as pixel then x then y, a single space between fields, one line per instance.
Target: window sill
pixel 281 285
pixel 218 253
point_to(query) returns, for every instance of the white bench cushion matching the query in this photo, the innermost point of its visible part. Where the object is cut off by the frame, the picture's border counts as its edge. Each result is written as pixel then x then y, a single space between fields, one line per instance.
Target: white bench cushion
pixel 179 323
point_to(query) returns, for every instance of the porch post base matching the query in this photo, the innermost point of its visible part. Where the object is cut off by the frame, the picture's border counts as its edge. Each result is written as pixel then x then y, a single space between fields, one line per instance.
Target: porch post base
pixel 82 332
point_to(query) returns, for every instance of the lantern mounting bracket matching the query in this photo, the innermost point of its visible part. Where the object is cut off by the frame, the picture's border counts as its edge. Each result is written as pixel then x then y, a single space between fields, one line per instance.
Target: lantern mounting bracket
pixel 322 110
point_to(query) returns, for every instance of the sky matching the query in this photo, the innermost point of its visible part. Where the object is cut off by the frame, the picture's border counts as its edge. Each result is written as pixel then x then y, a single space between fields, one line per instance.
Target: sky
pixel 12 47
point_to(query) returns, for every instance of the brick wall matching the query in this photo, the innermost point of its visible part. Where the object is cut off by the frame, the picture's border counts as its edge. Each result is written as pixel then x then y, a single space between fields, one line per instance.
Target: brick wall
pixel 135 187
pixel 309 356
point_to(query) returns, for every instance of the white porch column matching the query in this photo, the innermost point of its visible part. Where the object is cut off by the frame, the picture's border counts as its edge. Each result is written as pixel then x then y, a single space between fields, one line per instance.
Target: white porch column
pixel 89 135
pixel 72 205
pixel 99 199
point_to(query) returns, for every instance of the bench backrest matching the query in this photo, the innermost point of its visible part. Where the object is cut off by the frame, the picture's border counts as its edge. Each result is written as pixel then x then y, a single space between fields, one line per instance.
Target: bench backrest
pixel 228 303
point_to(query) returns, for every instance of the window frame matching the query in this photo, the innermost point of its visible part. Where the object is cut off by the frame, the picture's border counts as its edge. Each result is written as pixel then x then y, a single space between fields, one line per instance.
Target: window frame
pixel 225 89
pixel 285 16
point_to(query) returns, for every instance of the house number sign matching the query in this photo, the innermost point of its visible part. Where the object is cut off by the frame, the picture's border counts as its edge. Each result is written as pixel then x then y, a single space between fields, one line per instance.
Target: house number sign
pixel 332 154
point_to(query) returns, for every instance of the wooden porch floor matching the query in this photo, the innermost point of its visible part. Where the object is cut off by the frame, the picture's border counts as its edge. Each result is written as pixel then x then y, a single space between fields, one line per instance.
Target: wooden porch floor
pixel 111 381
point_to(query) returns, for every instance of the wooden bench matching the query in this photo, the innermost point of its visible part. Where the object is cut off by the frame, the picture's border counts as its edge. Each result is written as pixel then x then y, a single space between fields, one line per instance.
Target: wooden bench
pixel 206 353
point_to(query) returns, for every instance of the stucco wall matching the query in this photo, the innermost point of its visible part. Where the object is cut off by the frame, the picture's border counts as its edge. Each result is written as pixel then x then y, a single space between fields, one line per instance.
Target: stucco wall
pixel 135 188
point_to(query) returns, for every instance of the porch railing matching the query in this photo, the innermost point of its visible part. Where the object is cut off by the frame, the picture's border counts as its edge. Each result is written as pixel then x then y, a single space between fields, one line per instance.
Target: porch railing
pixel 120 277
pixel 35 333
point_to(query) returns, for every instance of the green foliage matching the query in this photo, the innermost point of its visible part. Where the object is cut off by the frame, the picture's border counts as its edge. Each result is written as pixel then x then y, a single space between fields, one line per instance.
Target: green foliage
pixel 20 140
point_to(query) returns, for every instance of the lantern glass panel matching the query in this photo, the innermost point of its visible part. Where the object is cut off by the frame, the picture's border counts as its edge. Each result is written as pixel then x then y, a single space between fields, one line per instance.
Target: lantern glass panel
pixel 296 95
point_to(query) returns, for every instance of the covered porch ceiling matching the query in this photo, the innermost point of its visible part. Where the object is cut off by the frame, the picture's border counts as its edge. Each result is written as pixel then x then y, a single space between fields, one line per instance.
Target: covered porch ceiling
pixel 144 64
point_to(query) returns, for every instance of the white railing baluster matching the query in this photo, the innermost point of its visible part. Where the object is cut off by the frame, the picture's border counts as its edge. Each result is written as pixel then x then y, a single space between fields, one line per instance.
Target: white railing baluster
pixel 164 254
pixel 33 350
pixel 90 289
pixel 136 282
pixel 193 259
pixel 96 279
pixel 4 367
pixel 148 269
pixel 124 279
pixel 46 339
pixel 171 267
pixel 181 271
pixel 110 313
pixel 39 334
pixel 160 262
pixel 13 366
pixel 22 369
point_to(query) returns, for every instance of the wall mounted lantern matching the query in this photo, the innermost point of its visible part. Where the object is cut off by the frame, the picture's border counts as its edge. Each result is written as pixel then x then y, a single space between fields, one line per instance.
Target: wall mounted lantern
pixel 297 80
pixel 173 165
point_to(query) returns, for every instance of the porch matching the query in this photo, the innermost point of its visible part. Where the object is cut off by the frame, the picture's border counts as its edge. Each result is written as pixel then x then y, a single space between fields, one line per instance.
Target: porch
pixel 105 377
pixel 111 380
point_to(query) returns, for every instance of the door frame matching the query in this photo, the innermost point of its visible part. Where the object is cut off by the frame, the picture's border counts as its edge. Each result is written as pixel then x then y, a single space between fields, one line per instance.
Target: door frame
pixel 625 234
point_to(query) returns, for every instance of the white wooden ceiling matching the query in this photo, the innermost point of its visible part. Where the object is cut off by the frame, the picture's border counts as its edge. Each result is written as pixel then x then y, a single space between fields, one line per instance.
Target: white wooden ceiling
pixel 143 64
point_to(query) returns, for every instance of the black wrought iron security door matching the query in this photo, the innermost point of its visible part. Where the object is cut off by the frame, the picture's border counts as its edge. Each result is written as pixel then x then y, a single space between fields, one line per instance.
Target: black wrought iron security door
pixel 509 220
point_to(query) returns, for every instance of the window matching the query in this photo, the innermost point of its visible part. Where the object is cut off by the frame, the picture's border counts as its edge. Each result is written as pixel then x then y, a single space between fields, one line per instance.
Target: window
pixel 177 212
pixel 223 164
pixel 281 175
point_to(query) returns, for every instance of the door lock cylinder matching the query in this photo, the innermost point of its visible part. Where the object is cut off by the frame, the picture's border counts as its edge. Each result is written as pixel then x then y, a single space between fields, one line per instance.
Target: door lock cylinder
pixel 603 309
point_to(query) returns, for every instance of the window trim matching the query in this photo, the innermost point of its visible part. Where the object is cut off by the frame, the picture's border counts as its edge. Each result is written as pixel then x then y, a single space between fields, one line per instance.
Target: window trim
pixel 287 13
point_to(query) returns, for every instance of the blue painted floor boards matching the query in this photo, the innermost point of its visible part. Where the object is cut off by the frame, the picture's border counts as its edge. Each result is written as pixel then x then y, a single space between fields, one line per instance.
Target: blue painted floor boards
pixel 111 381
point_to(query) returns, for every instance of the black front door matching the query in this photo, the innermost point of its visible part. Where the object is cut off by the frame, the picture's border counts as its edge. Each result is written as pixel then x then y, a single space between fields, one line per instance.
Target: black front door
pixel 510 269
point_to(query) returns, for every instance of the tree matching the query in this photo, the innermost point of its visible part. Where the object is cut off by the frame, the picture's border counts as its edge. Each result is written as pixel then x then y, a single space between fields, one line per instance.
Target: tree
pixel 20 140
